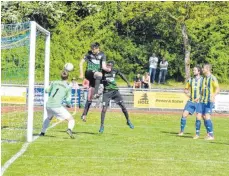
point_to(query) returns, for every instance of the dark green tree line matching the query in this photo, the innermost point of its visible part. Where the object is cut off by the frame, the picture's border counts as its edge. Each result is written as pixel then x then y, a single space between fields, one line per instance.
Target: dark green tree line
pixel 130 31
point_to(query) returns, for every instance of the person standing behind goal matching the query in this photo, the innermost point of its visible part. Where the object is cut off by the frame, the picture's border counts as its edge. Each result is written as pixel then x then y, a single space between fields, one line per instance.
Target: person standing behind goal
pixel 58 91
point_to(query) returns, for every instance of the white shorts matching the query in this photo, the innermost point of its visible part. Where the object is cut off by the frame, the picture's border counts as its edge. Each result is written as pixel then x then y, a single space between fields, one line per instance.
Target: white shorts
pixel 60 113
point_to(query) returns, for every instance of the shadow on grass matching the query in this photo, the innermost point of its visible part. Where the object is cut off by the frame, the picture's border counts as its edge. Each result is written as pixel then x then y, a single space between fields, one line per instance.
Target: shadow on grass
pixel 186 135
pixel 46 135
pixel 2 127
pixel 221 143
pixel 84 132
pixel 170 132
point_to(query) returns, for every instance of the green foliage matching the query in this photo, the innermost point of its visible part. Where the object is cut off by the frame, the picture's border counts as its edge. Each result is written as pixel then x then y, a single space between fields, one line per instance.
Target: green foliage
pixel 130 31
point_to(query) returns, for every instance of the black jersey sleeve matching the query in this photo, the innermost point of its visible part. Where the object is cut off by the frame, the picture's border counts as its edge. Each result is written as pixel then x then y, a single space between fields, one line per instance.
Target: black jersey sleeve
pixel 103 57
pixel 87 57
pixel 123 77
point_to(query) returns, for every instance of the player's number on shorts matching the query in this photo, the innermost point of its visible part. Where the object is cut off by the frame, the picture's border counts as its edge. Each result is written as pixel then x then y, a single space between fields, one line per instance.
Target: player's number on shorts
pixel 55 92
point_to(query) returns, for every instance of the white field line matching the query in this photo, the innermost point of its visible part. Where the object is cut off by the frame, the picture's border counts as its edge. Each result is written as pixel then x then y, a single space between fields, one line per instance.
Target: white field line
pixel 23 149
pixel 131 158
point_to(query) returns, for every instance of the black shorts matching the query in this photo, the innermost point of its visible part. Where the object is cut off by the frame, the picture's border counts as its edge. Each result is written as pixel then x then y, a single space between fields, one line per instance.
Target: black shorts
pixel 111 95
pixel 89 75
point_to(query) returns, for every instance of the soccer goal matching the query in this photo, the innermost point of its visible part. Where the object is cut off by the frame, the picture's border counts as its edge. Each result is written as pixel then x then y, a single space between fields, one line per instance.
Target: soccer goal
pixel 25 52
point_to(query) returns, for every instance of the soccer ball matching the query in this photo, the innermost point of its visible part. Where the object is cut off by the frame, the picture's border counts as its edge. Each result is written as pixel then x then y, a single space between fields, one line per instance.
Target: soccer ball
pixel 68 67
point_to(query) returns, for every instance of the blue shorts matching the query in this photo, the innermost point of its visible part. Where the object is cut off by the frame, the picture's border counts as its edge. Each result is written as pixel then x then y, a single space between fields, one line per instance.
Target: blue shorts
pixel 190 107
pixel 205 108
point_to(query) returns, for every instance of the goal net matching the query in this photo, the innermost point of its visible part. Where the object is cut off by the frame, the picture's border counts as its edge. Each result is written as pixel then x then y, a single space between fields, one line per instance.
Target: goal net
pixel 25 50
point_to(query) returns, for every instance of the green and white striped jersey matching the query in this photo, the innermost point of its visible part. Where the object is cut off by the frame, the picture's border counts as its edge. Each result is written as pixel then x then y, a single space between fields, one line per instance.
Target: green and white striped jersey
pixel 94 62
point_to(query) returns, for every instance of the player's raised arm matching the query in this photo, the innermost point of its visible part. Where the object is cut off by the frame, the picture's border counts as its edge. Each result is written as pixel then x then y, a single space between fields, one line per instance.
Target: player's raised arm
pixel 49 88
pixel 124 78
pixel 68 98
pixel 81 68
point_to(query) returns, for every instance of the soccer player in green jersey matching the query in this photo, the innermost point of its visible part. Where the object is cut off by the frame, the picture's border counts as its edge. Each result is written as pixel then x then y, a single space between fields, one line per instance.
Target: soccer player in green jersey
pixel 210 88
pixel 96 62
pixel 58 91
pixel 193 91
pixel 111 92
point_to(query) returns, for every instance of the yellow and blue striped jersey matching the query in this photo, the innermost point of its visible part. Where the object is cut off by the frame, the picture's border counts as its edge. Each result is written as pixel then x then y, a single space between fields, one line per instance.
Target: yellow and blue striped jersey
pixel 210 83
pixel 195 85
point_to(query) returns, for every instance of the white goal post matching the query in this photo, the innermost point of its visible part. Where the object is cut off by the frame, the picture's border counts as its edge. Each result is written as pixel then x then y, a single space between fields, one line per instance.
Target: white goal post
pixel 33 28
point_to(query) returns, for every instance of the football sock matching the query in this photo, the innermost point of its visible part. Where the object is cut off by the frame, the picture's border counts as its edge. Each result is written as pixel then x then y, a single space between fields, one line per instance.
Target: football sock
pixel 205 124
pixel 198 124
pixel 124 110
pixel 71 124
pixel 103 115
pixel 87 107
pixel 182 123
pixel 210 127
pixel 45 125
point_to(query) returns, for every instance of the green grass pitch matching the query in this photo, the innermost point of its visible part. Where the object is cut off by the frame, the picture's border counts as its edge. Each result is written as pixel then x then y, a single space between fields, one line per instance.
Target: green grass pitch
pixel 152 148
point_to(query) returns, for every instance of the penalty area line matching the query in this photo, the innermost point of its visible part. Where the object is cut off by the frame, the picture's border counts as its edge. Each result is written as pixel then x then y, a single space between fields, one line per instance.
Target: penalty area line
pixel 20 153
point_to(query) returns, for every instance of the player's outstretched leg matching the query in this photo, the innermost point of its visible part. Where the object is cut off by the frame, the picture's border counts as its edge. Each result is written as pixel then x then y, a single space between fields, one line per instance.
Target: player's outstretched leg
pixel 45 126
pixel 98 77
pixel 71 124
pixel 86 109
pixel 125 112
pixel 103 113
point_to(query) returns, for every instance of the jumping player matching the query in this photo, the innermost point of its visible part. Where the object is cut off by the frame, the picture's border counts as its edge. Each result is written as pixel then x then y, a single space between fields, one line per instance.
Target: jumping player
pixel 58 91
pixel 96 62
pixel 111 92
pixel 193 91
pixel 210 89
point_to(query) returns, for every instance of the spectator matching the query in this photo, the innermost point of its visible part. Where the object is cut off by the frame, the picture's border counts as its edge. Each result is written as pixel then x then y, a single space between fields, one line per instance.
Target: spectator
pixel 137 81
pixel 146 81
pixel 153 60
pixel 163 71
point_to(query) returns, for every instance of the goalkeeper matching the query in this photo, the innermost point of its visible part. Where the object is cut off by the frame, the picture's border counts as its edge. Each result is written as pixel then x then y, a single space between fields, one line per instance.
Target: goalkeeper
pixel 58 91
pixel 111 92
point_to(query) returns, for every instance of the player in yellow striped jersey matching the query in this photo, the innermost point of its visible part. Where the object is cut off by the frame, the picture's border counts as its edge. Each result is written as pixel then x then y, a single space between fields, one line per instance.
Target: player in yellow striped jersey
pixel 193 91
pixel 210 88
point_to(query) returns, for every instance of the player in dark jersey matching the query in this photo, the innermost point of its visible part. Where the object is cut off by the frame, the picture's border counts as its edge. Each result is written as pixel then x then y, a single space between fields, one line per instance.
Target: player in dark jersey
pixel 111 92
pixel 96 62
